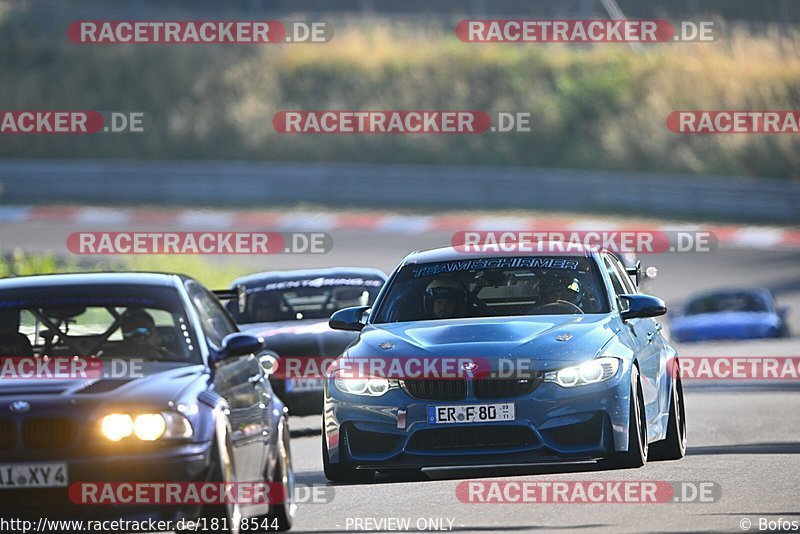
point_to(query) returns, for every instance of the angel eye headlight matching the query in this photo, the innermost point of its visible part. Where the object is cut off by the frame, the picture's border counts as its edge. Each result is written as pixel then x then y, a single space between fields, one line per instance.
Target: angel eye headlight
pixel 371 386
pixel 377 386
pixel 590 372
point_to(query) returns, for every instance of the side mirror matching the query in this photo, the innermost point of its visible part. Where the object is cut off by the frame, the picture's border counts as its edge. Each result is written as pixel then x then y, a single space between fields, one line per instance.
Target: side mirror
pixel 348 319
pixel 783 311
pixel 268 361
pixel 635 272
pixel 239 344
pixel 642 306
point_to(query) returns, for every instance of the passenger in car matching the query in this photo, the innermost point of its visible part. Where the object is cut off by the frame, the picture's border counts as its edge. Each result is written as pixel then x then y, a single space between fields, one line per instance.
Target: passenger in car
pixel 265 307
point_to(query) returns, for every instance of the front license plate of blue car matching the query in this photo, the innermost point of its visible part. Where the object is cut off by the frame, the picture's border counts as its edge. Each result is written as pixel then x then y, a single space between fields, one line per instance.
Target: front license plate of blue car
pixel 471 413
pixel 18 476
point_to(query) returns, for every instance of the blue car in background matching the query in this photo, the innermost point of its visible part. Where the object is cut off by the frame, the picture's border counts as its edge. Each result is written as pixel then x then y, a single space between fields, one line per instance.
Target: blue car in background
pixel 200 408
pixel 596 383
pixel 730 314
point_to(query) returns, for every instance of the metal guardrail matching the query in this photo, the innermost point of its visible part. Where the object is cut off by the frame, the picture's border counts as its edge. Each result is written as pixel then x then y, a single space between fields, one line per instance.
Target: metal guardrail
pixel 253 184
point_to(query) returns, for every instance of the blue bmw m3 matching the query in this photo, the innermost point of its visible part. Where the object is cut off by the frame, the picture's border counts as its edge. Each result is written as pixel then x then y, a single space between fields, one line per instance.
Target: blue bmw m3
pixel 560 358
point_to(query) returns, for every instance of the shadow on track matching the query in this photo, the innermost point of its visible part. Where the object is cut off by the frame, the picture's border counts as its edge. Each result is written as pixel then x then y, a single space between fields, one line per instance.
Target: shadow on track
pixel 493 528
pixel 317 477
pixel 745 448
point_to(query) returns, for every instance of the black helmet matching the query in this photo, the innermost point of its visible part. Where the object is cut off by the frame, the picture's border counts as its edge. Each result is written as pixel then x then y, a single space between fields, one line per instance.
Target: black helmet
pixel 445 289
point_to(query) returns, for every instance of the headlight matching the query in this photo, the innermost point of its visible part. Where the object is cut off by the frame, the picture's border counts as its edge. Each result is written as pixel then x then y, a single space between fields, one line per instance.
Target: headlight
pixel 145 426
pixel 116 426
pixel 149 426
pixel 372 386
pixel 590 372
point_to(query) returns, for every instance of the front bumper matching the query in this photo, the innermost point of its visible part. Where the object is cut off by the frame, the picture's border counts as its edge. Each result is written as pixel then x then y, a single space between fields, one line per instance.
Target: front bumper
pixel 182 463
pixel 552 424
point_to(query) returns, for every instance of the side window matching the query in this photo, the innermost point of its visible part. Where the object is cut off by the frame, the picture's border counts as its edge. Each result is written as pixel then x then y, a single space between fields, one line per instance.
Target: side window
pixel 215 321
pixel 619 288
pixel 627 282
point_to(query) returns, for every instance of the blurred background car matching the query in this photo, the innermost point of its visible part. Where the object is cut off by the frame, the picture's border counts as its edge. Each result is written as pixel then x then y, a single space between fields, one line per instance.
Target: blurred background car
pixel 193 406
pixel 731 314
pixel 290 310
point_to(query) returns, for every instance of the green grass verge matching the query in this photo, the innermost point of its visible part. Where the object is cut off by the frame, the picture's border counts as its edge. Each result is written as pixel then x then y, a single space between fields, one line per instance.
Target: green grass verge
pixel 214 276
pixel 600 107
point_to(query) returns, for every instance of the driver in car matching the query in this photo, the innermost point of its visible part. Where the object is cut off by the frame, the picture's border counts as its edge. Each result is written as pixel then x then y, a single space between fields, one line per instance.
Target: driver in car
pixel 445 298
pixel 559 292
pixel 265 306
pixel 140 337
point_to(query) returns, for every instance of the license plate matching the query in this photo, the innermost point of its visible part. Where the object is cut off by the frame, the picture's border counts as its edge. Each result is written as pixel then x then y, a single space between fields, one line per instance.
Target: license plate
pixel 18 476
pixel 305 384
pixel 471 413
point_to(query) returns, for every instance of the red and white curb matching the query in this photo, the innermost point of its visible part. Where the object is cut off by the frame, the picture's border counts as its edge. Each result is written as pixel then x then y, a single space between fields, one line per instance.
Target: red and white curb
pixel 109 219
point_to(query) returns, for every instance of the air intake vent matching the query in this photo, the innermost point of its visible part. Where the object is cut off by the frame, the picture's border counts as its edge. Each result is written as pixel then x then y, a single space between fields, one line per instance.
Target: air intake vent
pixel 436 389
pixel 8 434
pixel 47 432
pixel 465 438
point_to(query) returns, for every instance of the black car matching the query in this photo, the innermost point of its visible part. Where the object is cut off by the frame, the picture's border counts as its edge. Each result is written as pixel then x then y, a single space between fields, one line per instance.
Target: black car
pixel 290 310
pixel 181 397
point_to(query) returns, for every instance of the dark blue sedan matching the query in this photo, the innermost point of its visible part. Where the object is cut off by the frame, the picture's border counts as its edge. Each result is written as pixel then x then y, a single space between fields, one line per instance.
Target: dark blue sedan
pixel 180 396
pixel 290 310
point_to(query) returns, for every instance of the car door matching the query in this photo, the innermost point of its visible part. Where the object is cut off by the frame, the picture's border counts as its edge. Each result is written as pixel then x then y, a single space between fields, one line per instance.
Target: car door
pixel 649 351
pixel 241 381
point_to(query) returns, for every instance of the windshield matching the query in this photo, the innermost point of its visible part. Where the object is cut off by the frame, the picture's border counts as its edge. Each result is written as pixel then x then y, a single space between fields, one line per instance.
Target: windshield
pixel 728 302
pixel 110 321
pixel 510 286
pixel 313 298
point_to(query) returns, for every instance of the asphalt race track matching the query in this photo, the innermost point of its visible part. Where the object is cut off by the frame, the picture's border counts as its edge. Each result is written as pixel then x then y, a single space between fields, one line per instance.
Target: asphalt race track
pixel 744 437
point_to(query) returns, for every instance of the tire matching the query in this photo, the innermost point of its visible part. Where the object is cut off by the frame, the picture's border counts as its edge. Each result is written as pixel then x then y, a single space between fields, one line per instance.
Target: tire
pixel 673 447
pixel 283 514
pixel 343 471
pixel 636 455
pixel 222 471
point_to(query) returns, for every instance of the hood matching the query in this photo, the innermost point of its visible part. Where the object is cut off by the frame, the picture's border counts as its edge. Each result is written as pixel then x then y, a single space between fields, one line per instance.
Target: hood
pixel 309 337
pixel 492 338
pixel 156 385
